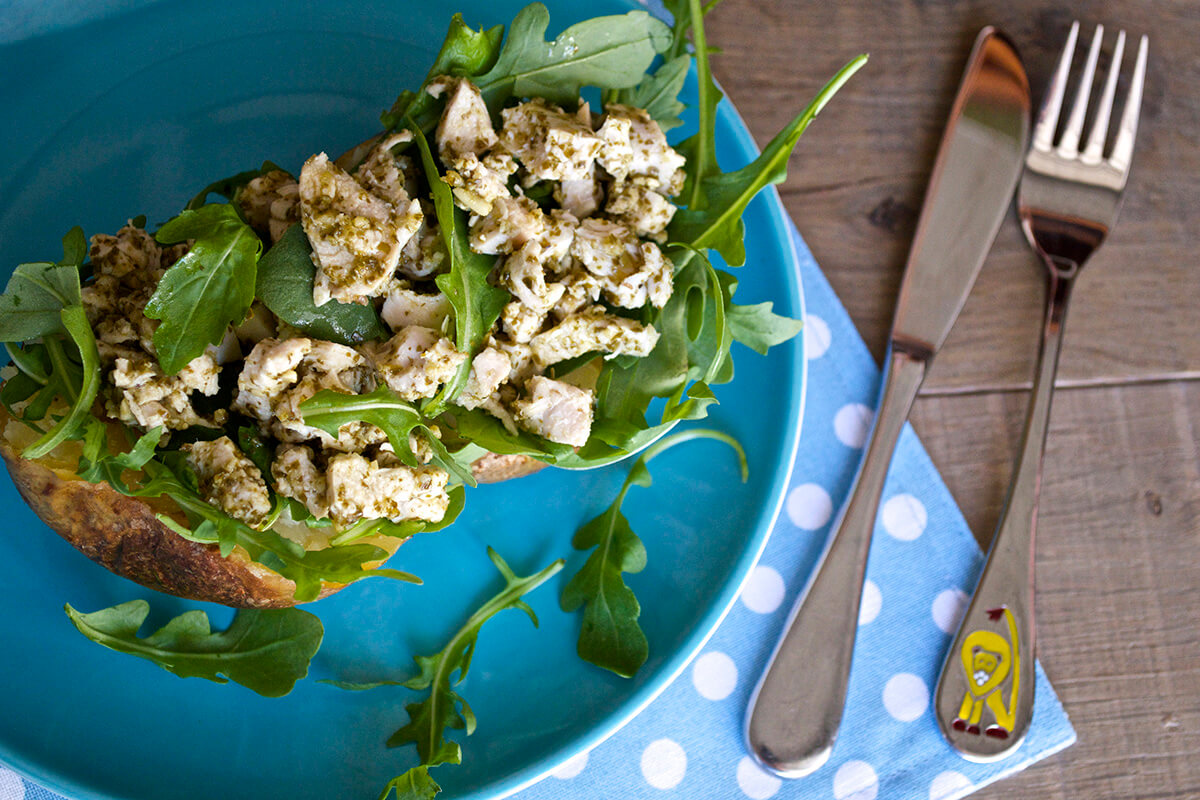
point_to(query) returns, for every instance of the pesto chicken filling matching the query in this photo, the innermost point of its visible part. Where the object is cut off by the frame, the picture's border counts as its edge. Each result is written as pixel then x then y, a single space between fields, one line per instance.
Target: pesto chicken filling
pixel 573 206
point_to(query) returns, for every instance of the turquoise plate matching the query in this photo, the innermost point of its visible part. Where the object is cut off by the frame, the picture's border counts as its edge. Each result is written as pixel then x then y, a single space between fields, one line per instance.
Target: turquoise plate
pixel 112 112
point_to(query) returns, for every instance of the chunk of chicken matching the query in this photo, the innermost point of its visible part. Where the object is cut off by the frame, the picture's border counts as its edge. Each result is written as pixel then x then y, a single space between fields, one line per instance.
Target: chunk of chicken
pixel 148 398
pixel 645 211
pixel 631 272
pixel 271 204
pixel 477 183
pixel 280 375
pixel 550 144
pixel 358 488
pixel 489 369
pixel 465 126
pixel 512 222
pixel 404 307
pixel 590 332
pixel 556 411
pixel 356 237
pixel 641 152
pixel 416 361
pixel 297 476
pixel 229 480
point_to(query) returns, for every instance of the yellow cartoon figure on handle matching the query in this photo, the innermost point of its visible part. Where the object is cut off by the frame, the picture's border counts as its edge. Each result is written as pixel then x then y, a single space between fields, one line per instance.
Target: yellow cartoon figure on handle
pixel 988 658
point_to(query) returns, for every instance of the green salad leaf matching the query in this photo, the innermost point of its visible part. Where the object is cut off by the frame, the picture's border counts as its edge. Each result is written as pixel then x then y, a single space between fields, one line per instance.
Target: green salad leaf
pixel 415 784
pixel 208 289
pixel 266 651
pixel 285 286
pixel 98 465
pixel 330 410
pixel 713 217
pixel 45 301
pixel 32 303
pixel 231 186
pixel 464 53
pixel 610 52
pixel 439 673
pixel 610 636
pixel 659 92
pixel 476 303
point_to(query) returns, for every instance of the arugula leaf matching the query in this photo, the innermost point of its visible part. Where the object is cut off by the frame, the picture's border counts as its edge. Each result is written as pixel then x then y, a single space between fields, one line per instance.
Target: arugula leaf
pixel 231 186
pixel 330 410
pixel 36 294
pixel 610 52
pixel 701 148
pixel 75 248
pixel 658 93
pixel 266 651
pixel 78 385
pixel 415 784
pixel 610 636
pixel 476 303
pixel 443 707
pixel 717 200
pixel 98 465
pixel 285 285
pixel 465 53
pixel 759 328
pixel 483 429
pixel 206 290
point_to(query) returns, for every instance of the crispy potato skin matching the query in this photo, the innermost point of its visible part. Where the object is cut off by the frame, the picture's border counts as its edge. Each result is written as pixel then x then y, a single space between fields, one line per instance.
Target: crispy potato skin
pixel 494 468
pixel 124 535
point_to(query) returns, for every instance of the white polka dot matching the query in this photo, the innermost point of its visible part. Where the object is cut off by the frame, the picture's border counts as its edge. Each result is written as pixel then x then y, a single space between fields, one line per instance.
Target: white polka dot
pixel 663 764
pixel 872 601
pixel 904 517
pixel 754 781
pixel 855 780
pixel 11 785
pixel 764 591
pixel 714 675
pixel 816 336
pixel 905 697
pixel 949 784
pixel 809 506
pixel 851 424
pixel 571 767
pixel 948 609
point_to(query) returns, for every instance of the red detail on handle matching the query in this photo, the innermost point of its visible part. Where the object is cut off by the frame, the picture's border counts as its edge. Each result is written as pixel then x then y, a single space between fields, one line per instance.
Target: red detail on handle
pixel 995 613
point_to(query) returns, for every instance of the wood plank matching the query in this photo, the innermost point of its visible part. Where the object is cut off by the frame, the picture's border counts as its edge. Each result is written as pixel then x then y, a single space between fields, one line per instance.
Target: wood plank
pixel 858 177
pixel 1118 576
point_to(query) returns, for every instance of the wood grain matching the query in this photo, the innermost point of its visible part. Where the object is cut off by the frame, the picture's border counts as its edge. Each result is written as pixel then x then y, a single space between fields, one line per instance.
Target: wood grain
pixel 1117 573
pixel 1118 564
pixel 858 177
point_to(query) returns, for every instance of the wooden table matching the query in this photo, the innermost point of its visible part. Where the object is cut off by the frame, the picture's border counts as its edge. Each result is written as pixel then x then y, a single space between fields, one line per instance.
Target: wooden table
pixel 1118 565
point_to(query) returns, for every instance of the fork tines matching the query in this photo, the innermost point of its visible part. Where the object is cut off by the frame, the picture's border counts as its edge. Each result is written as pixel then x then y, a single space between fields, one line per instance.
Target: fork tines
pixel 1068 145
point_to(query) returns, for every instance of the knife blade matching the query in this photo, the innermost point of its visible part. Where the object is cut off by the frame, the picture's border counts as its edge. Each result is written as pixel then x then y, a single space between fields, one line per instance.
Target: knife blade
pixel 796 709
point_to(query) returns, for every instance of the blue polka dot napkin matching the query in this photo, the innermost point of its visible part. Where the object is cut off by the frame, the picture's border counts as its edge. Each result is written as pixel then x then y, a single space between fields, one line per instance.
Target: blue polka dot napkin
pixel 688 742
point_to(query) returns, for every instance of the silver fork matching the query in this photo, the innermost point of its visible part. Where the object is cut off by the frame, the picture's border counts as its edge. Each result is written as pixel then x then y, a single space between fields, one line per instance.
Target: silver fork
pixel 1067 203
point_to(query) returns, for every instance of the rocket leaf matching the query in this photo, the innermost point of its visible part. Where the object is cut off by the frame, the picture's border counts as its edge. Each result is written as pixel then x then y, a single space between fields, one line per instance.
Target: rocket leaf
pixel 209 288
pixel 266 651
pixel 285 285
pixel 713 218
pixel 610 636
pixel 444 708
pixel 610 52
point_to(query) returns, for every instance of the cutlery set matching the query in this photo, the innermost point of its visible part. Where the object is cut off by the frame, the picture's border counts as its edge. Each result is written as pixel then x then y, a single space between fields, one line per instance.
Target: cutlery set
pixel 1067 201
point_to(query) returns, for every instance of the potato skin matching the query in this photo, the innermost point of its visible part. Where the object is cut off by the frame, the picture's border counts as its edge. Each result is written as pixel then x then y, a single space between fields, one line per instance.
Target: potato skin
pixel 123 535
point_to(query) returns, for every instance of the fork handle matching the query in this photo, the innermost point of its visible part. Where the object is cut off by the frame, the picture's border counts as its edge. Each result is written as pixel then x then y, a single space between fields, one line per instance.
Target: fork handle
pixel 985 693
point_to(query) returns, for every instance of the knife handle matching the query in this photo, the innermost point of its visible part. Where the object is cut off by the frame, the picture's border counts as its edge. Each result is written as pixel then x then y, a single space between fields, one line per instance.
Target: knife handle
pixel 797 707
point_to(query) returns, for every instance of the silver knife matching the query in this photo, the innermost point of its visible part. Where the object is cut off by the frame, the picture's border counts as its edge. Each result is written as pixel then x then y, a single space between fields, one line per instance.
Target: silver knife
pixel 797 707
